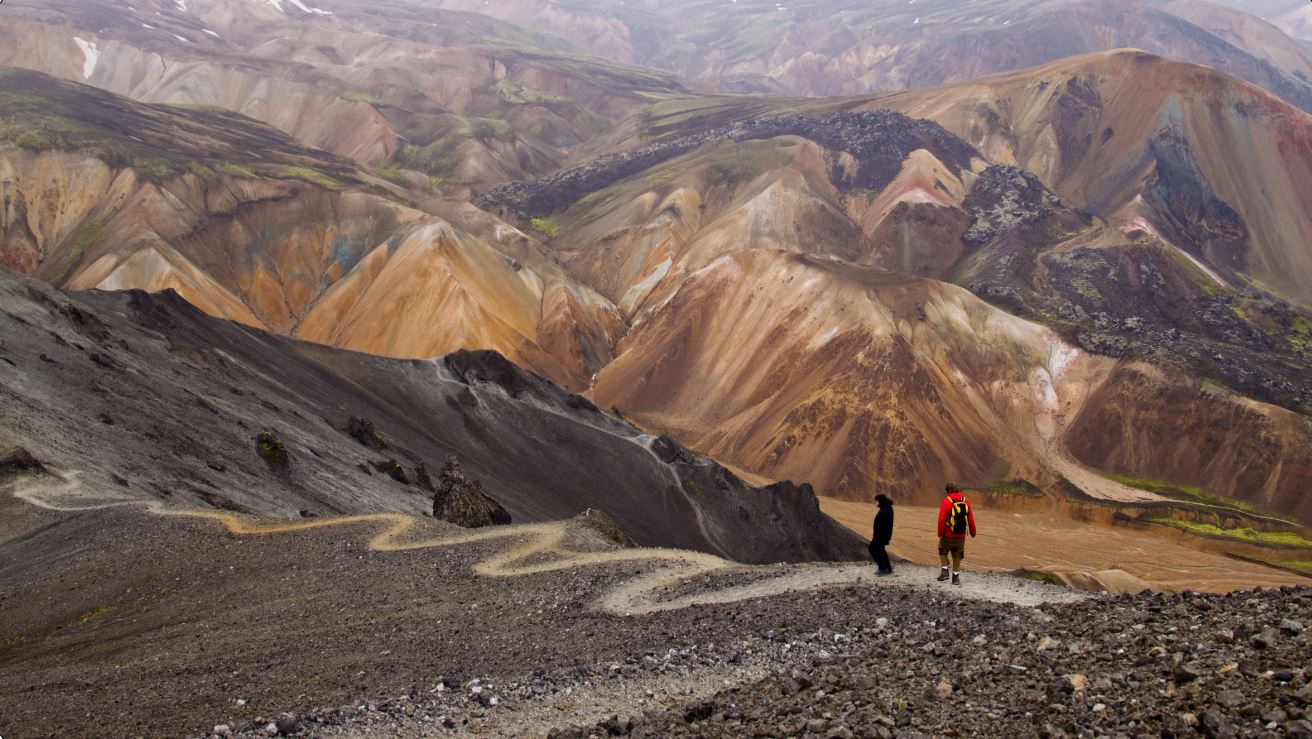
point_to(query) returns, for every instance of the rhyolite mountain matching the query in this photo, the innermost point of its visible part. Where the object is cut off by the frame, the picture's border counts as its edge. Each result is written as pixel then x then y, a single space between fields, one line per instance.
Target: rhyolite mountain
pixel 1032 275
pixel 103 192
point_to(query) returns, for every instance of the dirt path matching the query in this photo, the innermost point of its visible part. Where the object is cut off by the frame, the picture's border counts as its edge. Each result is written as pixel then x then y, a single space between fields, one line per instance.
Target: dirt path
pixel 1120 559
pixel 540 548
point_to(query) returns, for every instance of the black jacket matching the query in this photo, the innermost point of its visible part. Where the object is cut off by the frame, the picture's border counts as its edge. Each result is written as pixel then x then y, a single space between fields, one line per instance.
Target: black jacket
pixel 883 533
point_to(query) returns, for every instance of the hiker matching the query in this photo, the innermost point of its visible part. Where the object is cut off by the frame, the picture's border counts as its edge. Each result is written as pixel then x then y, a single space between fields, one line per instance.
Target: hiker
pixel 955 518
pixel 883 534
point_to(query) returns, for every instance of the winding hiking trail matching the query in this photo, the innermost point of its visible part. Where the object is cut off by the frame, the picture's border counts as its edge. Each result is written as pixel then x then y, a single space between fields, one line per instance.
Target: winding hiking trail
pixel 541 548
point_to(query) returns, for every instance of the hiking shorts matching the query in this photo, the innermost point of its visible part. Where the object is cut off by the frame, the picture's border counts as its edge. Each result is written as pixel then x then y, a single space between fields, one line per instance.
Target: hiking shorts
pixel 955 547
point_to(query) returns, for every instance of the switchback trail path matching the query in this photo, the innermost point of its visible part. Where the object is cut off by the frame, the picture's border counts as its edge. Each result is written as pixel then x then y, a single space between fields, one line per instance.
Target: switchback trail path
pixel 533 549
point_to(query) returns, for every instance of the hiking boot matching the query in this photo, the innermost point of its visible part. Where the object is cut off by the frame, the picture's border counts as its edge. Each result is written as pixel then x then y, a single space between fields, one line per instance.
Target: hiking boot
pixel 942 575
pixel 881 573
pixel 956 579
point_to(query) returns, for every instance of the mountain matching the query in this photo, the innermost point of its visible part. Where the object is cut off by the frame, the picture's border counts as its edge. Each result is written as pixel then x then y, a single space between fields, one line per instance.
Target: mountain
pixel 143 397
pixel 1096 209
pixel 431 97
pixel 789 313
pixel 847 47
pixel 1294 17
pixel 784 278
pixel 102 192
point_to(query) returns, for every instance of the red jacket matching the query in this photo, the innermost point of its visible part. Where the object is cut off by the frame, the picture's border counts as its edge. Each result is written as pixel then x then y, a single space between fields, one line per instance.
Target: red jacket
pixel 945 508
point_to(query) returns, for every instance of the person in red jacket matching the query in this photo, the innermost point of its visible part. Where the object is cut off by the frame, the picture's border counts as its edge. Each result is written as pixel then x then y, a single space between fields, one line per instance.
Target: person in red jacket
pixel 955 518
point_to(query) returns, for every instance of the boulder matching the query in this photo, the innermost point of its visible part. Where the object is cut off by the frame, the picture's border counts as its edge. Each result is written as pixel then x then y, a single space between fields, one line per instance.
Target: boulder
pixel 461 501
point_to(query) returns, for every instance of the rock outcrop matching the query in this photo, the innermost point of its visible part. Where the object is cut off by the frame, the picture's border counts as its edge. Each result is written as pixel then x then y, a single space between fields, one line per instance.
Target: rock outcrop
pixel 461 501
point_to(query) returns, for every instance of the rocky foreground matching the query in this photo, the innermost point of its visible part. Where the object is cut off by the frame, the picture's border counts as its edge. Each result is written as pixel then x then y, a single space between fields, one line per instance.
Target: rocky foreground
pixel 915 663
pixel 1152 665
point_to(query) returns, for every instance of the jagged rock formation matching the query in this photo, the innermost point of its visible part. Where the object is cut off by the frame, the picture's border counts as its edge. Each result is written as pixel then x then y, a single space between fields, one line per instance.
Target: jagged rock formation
pixel 461 501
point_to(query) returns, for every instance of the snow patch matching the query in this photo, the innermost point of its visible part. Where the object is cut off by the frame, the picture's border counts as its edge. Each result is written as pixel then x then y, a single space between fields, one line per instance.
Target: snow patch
pixel 206 30
pixel 300 5
pixel 91 54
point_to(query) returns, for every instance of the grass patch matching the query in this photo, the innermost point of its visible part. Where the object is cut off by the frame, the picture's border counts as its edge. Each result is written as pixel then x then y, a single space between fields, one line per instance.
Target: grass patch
pixel 77 246
pixel 1303 565
pixel 1286 539
pixel 357 96
pixel 312 176
pixel 1183 492
pixel 39 113
pixel 1012 486
pixel 548 226
pixel 391 172
pixel 92 615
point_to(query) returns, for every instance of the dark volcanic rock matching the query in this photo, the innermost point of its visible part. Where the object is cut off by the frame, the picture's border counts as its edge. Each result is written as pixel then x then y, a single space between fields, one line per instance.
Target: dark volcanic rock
pixel 19 460
pixel 272 451
pixel 1136 299
pixel 879 141
pixel 1003 199
pixel 461 501
pixel 392 469
pixel 487 366
pixel 422 478
pixel 1193 216
pixel 603 525
pixel 364 431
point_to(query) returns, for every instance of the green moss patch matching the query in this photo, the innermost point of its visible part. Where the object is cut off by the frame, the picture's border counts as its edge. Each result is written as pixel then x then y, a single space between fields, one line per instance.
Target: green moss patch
pixel 1283 539
pixel 548 226
pixel 1183 492
pixel 1012 486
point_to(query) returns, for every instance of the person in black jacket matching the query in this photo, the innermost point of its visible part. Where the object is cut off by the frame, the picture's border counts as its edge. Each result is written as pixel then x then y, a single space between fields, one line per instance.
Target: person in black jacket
pixel 883 534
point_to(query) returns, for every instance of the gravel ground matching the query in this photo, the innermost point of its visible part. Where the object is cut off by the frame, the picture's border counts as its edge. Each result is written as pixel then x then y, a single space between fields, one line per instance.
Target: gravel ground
pixel 116 622
pixel 120 622
pixel 1219 666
